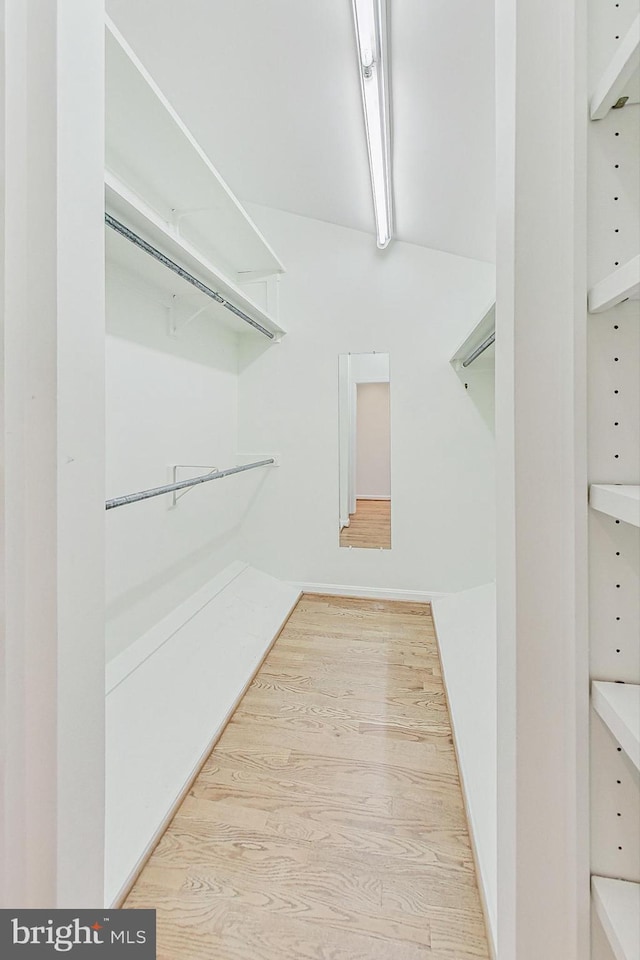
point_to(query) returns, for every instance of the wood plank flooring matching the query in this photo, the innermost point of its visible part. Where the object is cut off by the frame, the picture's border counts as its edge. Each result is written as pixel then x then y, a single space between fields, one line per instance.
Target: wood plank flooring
pixel 370 525
pixel 328 822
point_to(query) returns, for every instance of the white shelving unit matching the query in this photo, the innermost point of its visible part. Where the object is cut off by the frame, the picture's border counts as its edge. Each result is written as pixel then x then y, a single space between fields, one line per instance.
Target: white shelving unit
pixel 617 904
pixel 618 500
pixel 614 519
pixel 618 704
pixel 620 285
pixel 161 184
pixel 621 78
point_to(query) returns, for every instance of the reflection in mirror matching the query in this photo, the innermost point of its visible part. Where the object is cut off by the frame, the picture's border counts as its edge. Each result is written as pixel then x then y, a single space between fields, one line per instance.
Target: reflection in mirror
pixel 365 450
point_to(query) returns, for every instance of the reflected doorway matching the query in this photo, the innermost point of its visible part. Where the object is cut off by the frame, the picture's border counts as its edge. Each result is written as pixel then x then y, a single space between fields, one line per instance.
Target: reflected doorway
pixel 365 451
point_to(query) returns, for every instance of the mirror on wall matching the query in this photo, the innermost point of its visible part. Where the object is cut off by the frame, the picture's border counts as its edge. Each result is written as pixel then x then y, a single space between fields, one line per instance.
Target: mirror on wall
pixel 365 450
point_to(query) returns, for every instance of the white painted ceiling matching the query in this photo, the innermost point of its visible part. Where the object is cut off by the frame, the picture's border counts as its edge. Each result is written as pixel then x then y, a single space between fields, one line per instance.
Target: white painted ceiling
pixel 270 89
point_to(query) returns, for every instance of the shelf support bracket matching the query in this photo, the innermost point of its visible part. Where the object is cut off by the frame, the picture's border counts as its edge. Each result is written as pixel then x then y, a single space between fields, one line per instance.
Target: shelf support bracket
pixel 177 325
pixel 177 216
pixel 270 283
pixel 176 478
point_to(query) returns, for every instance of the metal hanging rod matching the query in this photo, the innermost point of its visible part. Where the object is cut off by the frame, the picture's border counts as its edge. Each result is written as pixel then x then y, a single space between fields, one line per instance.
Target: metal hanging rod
pixel 183 484
pixel 181 272
pixel 479 350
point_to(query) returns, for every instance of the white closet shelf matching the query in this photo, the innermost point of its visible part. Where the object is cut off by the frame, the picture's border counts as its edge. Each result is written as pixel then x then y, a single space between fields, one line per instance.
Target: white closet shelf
pixel 622 284
pixel 123 204
pixel 150 149
pixel 622 75
pixel 618 704
pixel 617 904
pixel 481 331
pixel 618 500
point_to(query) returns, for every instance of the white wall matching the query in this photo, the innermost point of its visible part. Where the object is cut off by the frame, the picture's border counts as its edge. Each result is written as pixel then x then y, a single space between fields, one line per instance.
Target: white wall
pixel 340 294
pixel 373 465
pixel 169 400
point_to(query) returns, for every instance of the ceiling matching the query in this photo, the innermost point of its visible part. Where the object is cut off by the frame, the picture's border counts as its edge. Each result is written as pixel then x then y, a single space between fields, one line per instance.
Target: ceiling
pixel 271 91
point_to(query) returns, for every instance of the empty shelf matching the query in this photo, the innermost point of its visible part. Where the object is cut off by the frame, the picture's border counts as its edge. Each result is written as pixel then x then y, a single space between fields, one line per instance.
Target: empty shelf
pixel 618 704
pixel 149 149
pixel 617 904
pixel 622 284
pixel 618 500
pixel 622 76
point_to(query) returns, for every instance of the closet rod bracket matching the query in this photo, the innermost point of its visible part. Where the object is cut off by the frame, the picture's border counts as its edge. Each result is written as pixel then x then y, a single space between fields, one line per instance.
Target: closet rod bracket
pixel 176 478
pixel 177 325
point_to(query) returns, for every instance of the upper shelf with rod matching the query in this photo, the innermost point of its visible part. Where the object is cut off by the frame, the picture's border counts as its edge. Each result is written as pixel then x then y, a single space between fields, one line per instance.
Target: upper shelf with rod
pixel 619 83
pixel 159 176
pixel 476 349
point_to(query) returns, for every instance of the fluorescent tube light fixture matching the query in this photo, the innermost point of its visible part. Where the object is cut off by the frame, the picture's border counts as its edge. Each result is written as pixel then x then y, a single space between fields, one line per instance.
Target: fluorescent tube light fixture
pixel 370 18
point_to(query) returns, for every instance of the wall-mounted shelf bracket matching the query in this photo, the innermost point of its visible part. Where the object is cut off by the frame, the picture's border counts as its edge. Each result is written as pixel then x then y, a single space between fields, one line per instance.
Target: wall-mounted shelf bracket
pixel 618 704
pixel 268 285
pixel 177 474
pixel 620 82
pixel 177 324
pixel 178 215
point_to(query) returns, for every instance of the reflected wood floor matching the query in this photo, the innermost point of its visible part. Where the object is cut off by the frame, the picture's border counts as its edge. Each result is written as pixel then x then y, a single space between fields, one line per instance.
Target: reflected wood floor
pixel 328 822
pixel 370 525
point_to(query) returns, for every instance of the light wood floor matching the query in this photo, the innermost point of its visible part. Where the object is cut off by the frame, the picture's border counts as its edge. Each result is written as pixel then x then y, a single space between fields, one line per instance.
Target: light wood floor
pixel 370 525
pixel 328 822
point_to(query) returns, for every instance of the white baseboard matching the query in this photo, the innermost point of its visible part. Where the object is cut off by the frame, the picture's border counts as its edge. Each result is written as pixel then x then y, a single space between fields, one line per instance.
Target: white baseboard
pixel 361 496
pixel 369 593
pixel 452 632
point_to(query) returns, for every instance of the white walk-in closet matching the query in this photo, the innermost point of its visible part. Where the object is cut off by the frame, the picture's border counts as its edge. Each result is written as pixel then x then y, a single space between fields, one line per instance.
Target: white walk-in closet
pixel 320 467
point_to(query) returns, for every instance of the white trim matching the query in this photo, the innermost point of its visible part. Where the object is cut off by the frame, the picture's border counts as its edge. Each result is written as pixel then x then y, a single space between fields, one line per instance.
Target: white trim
pixel 369 593
pixel 482 890
pixel 456 696
pixel 472 825
pixel 360 496
pixel 124 664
